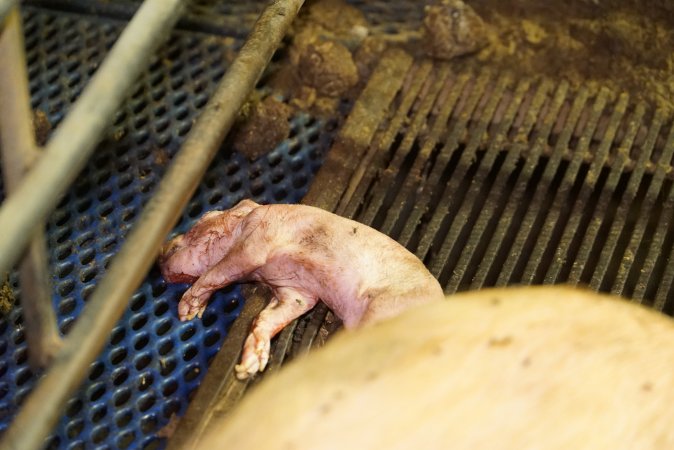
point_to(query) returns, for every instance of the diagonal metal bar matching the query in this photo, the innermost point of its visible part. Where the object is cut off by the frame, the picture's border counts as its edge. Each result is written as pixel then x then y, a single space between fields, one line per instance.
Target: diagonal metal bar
pixel 665 283
pixel 657 247
pixel 217 398
pixel 443 160
pixel 395 215
pixel 527 224
pixel 394 172
pixel 579 266
pixel 449 102
pixel 366 172
pixel 5 8
pixel 562 198
pixel 108 302
pixel 479 182
pixel 19 150
pixel 75 139
pixel 498 242
pixel 448 206
pixel 644 213
pixel 488 209
pixel 573 227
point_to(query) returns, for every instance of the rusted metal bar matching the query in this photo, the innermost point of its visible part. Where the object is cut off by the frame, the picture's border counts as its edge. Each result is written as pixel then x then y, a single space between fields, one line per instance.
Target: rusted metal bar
pixel 75 139
pixel 527 223
pixel 498 242
pixel 19 150
pixel 574 227
pixel 563 197
pixel 474 208
pixel 592 232
pixel 644 210
pixel 359 129
pixel 42 408
pixel 442 163
pixel 375 157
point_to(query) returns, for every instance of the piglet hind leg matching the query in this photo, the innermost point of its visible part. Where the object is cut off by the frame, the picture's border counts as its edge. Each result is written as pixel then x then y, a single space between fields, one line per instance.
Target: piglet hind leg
pixel 238 264
pixel 287 305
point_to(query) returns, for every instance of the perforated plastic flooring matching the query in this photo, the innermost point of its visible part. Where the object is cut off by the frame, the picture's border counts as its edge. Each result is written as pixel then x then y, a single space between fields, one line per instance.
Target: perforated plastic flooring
pixel 153 362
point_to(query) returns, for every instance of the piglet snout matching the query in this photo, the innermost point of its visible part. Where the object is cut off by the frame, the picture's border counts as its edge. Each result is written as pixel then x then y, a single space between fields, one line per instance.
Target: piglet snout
pixel 168 270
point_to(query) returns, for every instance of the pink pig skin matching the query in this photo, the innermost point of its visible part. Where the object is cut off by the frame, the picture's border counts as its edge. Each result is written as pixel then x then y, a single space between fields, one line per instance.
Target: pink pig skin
pixel 304 254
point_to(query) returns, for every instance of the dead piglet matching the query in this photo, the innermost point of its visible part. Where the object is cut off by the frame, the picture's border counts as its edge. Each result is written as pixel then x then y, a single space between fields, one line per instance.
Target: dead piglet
pixel 304 254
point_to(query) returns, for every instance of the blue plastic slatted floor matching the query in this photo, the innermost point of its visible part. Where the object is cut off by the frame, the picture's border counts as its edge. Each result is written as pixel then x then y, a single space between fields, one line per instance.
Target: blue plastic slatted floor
pixel 152 362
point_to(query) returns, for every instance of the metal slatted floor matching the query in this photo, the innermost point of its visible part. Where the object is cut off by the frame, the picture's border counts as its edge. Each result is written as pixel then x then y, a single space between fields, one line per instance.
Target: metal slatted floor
pixel 493 181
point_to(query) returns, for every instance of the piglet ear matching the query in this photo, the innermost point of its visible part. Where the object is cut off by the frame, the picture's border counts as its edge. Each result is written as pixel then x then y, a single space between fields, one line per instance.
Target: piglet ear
pixel 243 208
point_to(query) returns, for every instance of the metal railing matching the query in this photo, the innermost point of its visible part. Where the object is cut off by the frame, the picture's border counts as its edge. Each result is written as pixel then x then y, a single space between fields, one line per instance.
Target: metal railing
pixel 19 151
pixel 65 156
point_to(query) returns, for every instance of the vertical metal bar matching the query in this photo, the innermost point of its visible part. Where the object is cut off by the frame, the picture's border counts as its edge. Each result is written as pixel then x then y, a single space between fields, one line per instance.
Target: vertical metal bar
pixel 74 140
pixel 108 302
pixel 17 142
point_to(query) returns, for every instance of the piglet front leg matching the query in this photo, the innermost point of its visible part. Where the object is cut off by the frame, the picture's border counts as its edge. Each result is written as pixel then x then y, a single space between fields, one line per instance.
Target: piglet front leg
pixel 238 263
pixel 287 305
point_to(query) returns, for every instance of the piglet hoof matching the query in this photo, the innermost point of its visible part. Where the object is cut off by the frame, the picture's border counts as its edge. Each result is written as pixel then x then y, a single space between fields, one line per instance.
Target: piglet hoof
pixel 255 356
pixel 190 307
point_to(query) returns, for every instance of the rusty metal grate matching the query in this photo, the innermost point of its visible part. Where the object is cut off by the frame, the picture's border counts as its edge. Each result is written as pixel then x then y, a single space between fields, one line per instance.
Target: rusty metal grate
pixel 495 182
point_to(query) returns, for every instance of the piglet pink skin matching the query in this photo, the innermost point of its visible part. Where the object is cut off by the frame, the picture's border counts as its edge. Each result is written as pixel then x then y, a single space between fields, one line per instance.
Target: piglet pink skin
pixel 304 254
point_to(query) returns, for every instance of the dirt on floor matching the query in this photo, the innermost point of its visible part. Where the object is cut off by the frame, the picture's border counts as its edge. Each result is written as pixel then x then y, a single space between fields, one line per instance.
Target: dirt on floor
pixel 265 126
pixel 7 299
pixel 625 46
pixel 328 57
pixel 42 127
